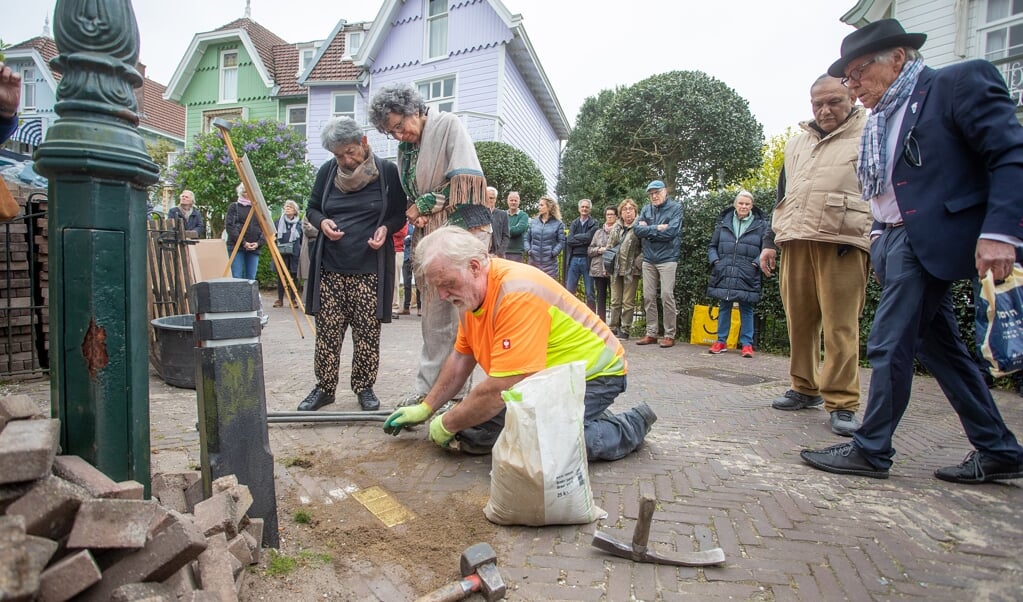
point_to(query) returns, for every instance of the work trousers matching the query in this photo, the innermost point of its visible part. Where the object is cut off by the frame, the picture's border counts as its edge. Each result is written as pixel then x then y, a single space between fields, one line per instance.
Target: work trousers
pixel 663 273
pixel 914 318
pixel 824 293
pixel 347 300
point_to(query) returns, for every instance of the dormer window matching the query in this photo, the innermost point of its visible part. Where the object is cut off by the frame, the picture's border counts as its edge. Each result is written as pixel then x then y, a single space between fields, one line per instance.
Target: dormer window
pixel 437 29
pixel 229 76
pixel 353 42
pixel 305 57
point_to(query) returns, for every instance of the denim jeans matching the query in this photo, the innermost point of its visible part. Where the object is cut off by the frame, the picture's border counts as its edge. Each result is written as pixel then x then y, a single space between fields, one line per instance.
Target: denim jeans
pixel 245 264
pixel 745 322
pixel 580 266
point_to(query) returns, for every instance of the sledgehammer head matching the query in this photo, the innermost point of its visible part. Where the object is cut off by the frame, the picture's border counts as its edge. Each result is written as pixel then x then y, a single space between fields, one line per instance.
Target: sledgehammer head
pixel 221 124
pixel 481 559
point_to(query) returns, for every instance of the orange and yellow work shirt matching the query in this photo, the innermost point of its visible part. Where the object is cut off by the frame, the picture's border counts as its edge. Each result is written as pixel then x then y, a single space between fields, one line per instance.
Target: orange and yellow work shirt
pixel 529 322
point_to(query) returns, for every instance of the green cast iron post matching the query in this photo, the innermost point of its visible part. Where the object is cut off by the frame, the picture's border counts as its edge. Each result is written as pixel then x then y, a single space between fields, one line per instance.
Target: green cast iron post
pixel 98 170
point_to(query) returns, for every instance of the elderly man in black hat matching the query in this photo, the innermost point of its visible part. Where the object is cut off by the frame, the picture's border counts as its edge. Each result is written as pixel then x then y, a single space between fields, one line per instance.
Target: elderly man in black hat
pixel 941 162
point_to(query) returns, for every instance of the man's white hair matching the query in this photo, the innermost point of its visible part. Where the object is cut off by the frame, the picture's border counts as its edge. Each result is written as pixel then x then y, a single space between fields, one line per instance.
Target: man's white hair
pixel 452 245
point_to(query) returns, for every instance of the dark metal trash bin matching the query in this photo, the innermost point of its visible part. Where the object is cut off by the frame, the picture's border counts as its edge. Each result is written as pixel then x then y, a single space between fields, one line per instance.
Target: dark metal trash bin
pixel 176 350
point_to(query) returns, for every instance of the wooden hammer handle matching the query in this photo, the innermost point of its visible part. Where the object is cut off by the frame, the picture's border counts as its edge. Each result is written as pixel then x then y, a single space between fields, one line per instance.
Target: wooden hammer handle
pixel 642 533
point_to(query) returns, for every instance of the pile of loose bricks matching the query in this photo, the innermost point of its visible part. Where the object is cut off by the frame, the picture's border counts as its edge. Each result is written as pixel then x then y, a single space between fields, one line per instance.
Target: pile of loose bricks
pixel 68 531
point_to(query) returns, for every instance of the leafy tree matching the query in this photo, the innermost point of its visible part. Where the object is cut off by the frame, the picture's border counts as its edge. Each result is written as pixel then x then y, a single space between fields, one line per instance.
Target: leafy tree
pixel 507 168
pixel 277 154
pixel 684 127
pixel 773 152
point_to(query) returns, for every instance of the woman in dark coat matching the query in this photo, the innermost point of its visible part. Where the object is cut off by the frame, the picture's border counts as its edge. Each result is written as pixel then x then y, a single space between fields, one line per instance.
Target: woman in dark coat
pixel 357 204
pixel 735 273
pixel 246 262
pixel 289 234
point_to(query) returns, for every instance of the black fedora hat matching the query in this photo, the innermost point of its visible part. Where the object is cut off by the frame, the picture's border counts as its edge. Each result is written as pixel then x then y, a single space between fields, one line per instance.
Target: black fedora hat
pixel 874 37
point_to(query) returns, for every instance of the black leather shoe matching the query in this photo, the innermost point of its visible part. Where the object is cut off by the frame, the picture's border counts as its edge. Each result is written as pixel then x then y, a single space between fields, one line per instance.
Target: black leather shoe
pixel 794 400
pixel 368 401
pixel 315 400
pixel 978 468
pixel 844 458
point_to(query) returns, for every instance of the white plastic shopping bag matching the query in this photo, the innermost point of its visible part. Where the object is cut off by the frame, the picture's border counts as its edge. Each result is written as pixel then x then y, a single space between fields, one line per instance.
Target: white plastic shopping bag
pixel 539 474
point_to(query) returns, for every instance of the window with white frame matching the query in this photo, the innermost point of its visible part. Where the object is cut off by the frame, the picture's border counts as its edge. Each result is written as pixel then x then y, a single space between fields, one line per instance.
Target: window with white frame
pixel 353 42
pixel 28 89
pixel 343 105
pixel 229 76
pixel 437 29
pixel 232 115
pixel 297 119
pixel 305 56
pixel 1003 30
pixel 439 93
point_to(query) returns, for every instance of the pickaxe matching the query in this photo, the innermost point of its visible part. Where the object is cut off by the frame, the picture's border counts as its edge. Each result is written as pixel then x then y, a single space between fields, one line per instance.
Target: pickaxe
pixel 479 574
pixel 639 552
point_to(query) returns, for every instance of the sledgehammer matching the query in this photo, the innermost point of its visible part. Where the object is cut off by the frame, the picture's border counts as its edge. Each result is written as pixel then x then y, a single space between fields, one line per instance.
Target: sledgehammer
pixel 639 552
pixel 479 574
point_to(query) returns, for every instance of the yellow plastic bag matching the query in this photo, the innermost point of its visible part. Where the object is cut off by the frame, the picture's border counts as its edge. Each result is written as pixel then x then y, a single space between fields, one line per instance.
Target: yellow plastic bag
pixel 704 330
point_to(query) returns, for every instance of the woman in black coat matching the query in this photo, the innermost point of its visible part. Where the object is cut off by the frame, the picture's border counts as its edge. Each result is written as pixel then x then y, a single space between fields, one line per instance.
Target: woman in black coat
pixel 357 204
pixel 735 273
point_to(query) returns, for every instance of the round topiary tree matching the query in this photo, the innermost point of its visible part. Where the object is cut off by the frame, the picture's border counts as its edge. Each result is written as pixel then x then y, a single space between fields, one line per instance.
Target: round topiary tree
pixel 507 168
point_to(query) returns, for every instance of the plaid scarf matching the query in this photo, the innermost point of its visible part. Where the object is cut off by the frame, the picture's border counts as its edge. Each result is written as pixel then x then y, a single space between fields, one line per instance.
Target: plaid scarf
pixel 872 167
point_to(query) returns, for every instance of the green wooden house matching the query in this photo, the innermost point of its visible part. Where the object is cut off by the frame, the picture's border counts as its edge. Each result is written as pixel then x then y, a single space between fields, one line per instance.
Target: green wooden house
pixel 240 71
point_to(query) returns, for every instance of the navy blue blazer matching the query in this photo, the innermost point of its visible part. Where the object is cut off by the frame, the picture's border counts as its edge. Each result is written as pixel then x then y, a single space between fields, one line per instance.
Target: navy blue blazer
pixel 961 126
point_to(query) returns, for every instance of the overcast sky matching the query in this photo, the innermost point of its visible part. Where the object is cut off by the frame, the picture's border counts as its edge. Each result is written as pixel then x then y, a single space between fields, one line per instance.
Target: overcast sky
pixel 768 51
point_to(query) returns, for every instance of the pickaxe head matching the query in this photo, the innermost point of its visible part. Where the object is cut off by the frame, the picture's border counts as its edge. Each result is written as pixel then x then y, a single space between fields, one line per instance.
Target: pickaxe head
pixel 481 560
pixel 222 124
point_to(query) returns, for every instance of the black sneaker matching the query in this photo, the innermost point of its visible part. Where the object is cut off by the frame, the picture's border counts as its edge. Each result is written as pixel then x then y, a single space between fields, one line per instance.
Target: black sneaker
pixel 315 400
pixel 844 458
pixel 368 401
pixel 794 400
pixel 979 468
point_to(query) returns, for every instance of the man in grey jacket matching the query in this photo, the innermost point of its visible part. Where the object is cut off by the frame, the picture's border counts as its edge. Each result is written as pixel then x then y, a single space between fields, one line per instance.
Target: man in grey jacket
pixel 659 226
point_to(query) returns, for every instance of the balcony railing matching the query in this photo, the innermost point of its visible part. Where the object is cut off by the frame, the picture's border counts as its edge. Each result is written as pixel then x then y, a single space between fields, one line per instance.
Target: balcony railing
pixel 1012 70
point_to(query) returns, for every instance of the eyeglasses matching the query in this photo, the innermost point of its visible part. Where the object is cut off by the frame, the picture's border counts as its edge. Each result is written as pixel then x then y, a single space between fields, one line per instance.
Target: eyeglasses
pixel 911 149
pixel 857 73
pixel 398 129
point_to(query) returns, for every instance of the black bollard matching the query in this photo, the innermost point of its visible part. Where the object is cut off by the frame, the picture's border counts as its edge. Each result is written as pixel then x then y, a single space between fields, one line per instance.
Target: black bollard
pixel 232 399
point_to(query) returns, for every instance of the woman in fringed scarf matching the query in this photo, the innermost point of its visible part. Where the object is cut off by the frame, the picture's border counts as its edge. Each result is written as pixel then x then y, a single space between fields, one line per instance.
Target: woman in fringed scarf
pixel 289 230
pixel 444 182
pixel 357 203
pixel 246 261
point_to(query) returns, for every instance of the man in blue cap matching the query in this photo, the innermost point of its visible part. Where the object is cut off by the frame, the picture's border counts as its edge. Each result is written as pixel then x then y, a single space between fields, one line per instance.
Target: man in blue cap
pixel 941 162
pixel 659 226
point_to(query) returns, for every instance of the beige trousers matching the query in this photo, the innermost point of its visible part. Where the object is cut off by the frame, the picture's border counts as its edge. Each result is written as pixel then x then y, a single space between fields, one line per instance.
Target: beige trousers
pixel 823 294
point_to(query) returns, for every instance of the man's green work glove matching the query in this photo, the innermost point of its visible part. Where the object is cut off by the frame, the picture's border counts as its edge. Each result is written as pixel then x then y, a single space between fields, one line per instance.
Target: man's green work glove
pixel 438 434
pixel 406 416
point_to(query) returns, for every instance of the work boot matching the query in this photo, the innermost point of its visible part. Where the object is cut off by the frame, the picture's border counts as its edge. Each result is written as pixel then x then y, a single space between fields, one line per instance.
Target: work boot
pixel 647 414
pixel 368 401
pixel 477 440
pixel 794 400
pixel 315 400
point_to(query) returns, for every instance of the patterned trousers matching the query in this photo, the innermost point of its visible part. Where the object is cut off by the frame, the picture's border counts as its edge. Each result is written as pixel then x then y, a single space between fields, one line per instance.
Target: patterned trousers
pixel 347 300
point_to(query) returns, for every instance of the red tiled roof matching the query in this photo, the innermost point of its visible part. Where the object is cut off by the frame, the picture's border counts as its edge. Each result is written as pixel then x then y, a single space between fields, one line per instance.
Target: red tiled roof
pixel 46 47
pixel 159 114
pixel 262 38
pixel 330 67
pixel 286 67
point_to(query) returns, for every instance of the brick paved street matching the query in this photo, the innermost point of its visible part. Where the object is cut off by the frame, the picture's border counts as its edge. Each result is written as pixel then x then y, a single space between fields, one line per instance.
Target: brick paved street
pixel 722 464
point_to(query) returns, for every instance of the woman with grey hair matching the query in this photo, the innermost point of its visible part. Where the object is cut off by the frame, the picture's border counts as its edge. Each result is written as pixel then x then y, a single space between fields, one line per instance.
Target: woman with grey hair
pixel 289 243
pixel 357 203
pixel 442 178
pixel 246 261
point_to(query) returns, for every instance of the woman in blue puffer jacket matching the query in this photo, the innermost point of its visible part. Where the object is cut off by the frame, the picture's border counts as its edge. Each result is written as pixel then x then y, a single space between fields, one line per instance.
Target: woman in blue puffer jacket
pixel 735 273
pixel 545 237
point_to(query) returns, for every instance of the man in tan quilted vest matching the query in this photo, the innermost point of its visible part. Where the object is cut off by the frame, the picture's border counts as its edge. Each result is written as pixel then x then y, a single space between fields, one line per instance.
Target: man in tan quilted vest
pixel 820 226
